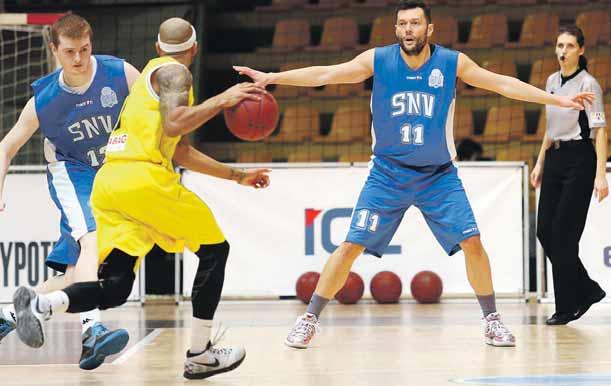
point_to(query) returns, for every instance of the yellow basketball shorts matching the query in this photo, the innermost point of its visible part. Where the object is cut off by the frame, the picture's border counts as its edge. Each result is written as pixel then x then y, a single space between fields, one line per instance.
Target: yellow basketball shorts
pixel 139 204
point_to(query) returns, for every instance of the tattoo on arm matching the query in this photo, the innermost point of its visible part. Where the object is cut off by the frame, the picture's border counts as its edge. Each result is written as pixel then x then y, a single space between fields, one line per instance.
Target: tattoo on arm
pixel 174 84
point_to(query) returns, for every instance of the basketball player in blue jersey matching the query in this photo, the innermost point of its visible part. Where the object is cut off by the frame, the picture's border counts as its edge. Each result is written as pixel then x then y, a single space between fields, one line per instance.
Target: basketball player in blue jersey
pixel 412 105
pixel 76 107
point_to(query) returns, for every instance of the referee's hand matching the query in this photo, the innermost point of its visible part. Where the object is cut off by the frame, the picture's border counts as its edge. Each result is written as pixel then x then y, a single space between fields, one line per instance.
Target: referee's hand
pixel 601 188
pixel 535 176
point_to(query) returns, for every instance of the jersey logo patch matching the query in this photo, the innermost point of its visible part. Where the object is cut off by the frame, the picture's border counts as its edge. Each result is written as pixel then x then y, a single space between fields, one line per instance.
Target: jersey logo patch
pixel 116 143
pixel 597 118
pixel 108 97
pixel 436 78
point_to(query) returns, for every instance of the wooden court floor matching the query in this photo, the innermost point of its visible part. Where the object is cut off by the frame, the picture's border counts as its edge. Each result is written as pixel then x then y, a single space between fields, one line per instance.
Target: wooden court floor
pixel 363 344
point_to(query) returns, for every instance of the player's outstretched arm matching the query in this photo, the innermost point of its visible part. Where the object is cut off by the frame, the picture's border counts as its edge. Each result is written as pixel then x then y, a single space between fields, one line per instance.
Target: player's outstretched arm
pixel 24 128
pixel 190 158
pixel 354 71
pixel 178 118
pixel 513 88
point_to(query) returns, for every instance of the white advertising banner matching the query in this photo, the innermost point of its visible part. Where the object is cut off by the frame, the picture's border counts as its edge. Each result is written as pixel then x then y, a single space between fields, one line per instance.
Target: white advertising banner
pixel 29 226
pixel 594 247
pixel 278 233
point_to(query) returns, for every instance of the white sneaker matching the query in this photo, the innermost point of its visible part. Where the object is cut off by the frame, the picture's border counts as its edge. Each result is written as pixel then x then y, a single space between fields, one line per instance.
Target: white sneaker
pixel 495 332
pixel 306 326
pixel 29 318
pixel 213 360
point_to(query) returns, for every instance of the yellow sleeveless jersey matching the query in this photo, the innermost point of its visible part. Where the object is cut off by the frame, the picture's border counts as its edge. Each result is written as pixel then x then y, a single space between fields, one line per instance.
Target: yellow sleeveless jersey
pixel 140 135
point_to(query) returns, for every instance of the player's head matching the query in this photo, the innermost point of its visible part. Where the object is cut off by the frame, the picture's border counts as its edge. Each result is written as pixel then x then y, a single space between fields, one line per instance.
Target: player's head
pixel 178 39
pixel 570 47
pixel 413 27
pixel 71 43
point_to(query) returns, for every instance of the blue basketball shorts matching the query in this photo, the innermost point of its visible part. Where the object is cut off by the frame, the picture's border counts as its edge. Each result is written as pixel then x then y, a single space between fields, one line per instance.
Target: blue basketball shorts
pixel 70 187
pixel 391 189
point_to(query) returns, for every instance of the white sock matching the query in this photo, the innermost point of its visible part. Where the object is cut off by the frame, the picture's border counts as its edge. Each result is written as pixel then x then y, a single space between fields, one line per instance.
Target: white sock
pixel 89 318
pixel 200 334
pixel 56 301
pixel 8 313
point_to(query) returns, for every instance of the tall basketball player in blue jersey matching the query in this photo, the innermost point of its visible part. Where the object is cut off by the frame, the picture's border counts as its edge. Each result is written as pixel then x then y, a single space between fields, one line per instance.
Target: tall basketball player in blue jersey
pixel 412 105
pixel 76 107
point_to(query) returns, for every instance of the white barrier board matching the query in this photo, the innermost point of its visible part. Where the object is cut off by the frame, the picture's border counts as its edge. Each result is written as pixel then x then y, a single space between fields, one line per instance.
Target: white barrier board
pixel 291 227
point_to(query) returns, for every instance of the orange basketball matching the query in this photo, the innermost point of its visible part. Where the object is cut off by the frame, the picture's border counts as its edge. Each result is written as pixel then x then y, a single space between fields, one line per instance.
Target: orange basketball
pixel 252 120
pixel 386 287
pixel 426 287
pixel 352 291
pixel 305 286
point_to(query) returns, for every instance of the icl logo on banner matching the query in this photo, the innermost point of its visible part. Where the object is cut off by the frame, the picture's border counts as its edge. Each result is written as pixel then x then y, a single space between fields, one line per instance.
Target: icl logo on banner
pixel 328 216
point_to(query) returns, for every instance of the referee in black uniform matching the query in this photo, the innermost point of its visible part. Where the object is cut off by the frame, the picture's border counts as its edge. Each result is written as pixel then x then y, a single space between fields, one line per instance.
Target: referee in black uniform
pixel 571 164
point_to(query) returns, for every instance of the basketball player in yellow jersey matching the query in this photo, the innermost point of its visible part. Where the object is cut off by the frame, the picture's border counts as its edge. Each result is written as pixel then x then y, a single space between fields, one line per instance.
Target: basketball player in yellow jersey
pixel 138 201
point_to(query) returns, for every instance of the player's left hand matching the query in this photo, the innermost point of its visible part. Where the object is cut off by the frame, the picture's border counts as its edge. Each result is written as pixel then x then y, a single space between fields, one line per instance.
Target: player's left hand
pixel 601 188
pixel 577 101
pixel 257 178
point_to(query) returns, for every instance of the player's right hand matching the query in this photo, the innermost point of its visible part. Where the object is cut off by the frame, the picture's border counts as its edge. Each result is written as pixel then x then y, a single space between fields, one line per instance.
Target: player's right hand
pixel 260 78
pixel 535 176
pixel 2 206
pixel 235 94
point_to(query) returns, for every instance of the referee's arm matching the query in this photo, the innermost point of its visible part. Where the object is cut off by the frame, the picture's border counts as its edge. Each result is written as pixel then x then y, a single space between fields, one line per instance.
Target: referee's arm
pixel 601 187
pixel 537 173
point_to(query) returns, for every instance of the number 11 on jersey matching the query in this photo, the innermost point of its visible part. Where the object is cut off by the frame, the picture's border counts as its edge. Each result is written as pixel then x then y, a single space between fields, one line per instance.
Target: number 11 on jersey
pixel 412 135
pixel 363 216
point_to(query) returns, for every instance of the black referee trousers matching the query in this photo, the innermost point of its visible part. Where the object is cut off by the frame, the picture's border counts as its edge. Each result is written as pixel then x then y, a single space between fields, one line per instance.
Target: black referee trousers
pixel 566 190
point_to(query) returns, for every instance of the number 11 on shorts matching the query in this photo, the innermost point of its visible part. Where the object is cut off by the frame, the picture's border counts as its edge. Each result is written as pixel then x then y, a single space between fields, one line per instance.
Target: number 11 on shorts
pixel 366 219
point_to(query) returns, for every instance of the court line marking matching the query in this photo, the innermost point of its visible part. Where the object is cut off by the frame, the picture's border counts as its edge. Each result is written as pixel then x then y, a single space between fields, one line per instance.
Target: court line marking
pixel 147 340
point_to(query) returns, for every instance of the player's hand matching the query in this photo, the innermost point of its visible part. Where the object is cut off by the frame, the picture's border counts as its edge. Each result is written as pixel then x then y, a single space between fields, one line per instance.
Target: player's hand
pixel 601 188
pixel 578 101
pixel 237 93
pixel 260 78
pixel 2 206
pixel 257 178
pixel 535 176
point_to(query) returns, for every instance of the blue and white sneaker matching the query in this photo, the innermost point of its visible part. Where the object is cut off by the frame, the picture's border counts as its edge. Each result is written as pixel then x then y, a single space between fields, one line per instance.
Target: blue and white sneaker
pixel 6 327
pixel 100 342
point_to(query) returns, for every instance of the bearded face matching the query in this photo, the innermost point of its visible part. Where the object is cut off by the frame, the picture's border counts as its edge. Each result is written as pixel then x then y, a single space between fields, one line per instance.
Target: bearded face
pixel 411 31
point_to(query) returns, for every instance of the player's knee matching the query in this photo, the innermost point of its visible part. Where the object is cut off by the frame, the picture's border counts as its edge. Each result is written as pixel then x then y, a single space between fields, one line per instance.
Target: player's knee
pixel 222 251
pixel 116 290
pixel 350 251
pixel 69 277
pixel 472 245
pixel 213 255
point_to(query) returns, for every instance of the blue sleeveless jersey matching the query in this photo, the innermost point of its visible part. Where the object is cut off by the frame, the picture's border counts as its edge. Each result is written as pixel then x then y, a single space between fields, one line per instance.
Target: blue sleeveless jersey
pixel 413 110
pixel 76 127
